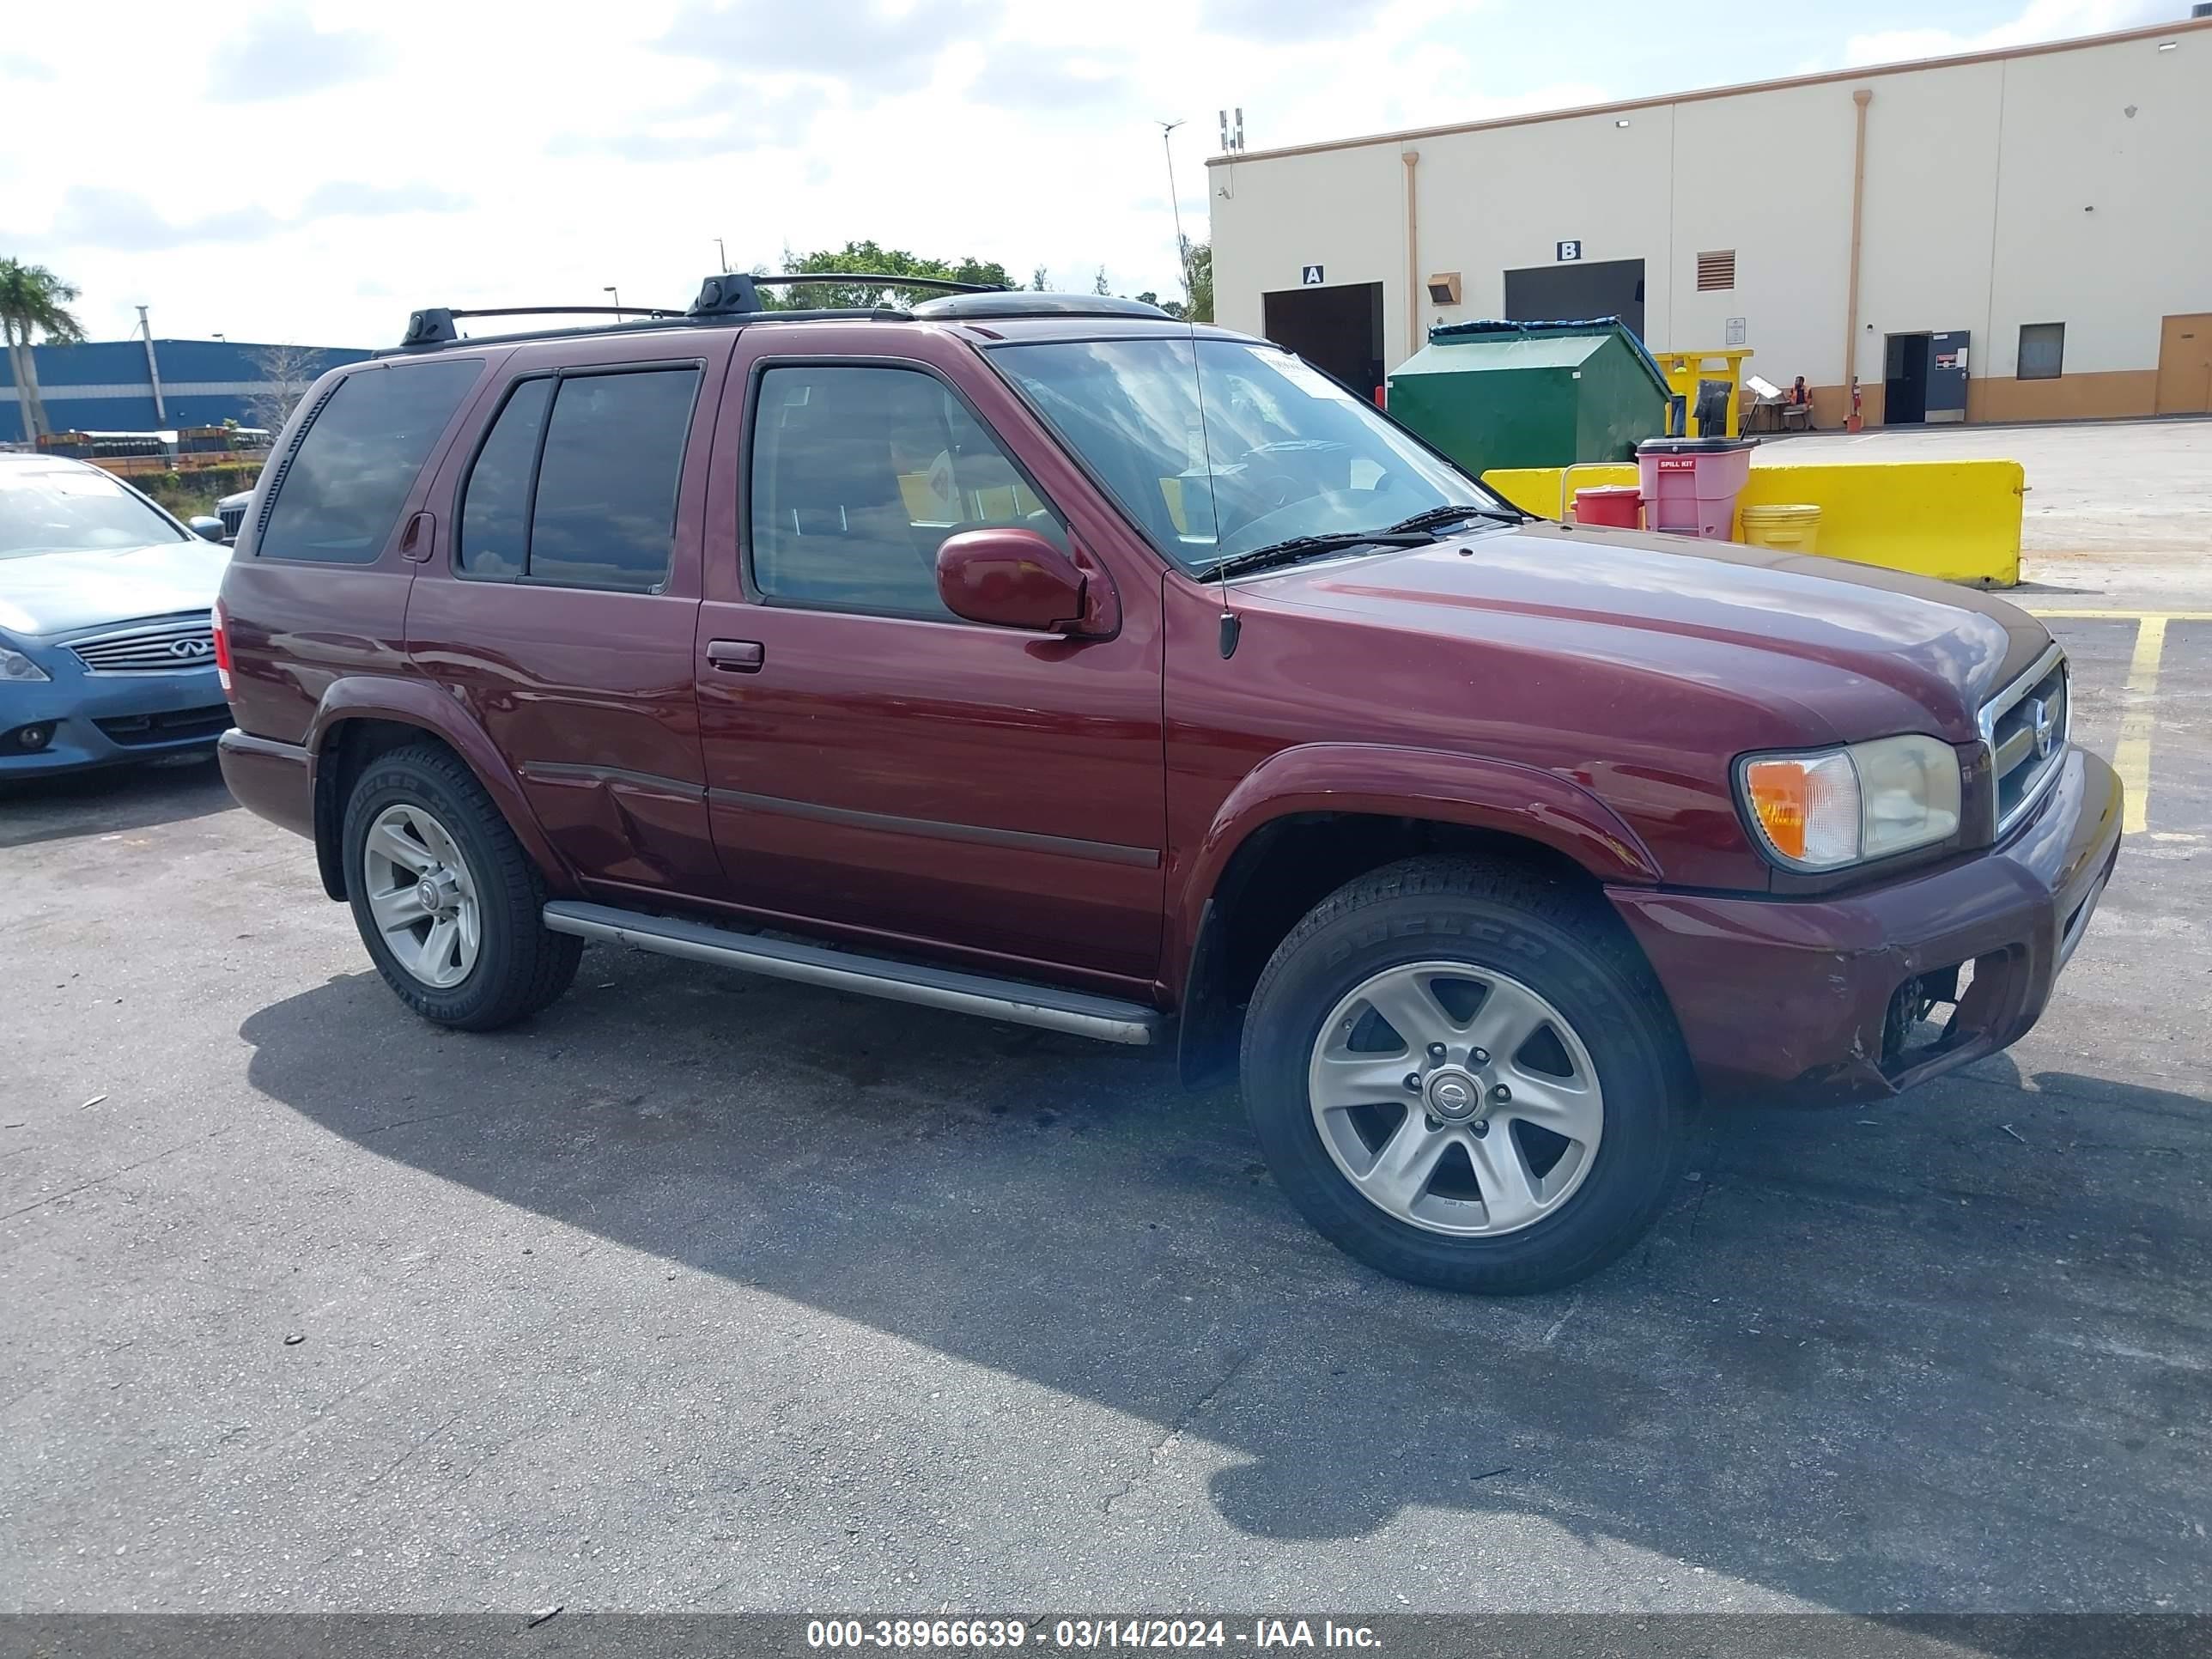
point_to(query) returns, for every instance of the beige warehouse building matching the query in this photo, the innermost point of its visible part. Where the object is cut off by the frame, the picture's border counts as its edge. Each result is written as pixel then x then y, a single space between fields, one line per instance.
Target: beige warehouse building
pixel 2023 234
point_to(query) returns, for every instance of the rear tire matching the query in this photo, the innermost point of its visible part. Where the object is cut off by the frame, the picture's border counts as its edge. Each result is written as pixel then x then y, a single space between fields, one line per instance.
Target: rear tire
pixel 1422 1152
pixel 462 943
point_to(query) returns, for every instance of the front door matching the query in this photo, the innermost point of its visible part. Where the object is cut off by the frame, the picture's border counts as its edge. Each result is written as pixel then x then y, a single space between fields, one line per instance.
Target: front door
pixel 562 596
pixel 2185 365
pixel 877 768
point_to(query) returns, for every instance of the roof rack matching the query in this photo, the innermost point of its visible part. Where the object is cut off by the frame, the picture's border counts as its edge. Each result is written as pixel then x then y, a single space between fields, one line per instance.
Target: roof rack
pixel 1018 302
pixel 727 296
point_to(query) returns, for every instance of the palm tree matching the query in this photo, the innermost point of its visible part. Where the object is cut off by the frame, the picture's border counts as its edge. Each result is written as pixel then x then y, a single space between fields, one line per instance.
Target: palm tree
pixel 33 298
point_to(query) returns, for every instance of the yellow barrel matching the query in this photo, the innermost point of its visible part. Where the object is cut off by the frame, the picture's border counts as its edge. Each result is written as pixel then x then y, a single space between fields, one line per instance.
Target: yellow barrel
pixel 1794 526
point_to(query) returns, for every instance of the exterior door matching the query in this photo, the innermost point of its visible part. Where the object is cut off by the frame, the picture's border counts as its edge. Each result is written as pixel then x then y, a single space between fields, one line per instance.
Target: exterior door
pixel 1338 329
pixel 877 767
pixel 2185 365
pixel 1906 359
pixel 1947 376
pixel 560 595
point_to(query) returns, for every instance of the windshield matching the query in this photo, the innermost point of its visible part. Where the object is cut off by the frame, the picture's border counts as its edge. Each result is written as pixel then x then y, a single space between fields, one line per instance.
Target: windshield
pixel 1282 450
pixel 68 509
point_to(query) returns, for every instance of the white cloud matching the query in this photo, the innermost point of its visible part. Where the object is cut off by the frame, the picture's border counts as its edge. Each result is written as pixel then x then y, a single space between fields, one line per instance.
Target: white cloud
pixel 278 181
pixel 2042 20
pixel 284 55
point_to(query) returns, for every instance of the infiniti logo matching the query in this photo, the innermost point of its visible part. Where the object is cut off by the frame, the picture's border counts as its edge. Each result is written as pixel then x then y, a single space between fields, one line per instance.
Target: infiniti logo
pixel 192 650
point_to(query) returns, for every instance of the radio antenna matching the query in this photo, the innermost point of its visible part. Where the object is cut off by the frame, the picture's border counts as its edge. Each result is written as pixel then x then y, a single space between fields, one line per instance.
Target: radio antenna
pixel 1231 626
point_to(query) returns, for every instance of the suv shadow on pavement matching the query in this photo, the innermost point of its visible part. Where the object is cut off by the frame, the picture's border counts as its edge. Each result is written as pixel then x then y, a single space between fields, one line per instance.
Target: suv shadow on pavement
pixel 1906 1345
pixel 115 799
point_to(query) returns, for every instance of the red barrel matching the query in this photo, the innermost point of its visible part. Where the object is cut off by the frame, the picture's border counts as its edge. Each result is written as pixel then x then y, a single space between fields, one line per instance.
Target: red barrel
pixel 1616 506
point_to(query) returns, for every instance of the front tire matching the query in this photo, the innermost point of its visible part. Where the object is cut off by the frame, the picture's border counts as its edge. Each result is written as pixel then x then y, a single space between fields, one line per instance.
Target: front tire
pixel 1464 1077
pixel 449 905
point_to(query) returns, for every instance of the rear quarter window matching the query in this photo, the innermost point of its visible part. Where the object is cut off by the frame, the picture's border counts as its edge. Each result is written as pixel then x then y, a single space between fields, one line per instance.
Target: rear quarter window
pixel 344 483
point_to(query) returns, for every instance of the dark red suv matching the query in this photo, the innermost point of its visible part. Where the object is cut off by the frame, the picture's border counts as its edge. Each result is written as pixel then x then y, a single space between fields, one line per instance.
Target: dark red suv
pixel 1045 659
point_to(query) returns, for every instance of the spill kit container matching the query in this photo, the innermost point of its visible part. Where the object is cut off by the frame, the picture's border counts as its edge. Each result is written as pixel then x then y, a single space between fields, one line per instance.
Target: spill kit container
pixel 1690 484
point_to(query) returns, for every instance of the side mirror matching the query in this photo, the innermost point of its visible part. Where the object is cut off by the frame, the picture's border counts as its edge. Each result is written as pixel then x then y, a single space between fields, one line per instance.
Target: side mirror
pixel 207 529
pixel 1010 577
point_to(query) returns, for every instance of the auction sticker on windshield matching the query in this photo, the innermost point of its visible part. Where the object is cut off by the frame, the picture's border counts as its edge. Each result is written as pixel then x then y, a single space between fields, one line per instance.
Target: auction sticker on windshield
pixel 1302 374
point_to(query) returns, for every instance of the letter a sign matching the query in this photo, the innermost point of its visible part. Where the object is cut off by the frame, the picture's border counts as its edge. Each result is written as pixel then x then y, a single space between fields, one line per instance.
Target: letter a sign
pixel 1310 275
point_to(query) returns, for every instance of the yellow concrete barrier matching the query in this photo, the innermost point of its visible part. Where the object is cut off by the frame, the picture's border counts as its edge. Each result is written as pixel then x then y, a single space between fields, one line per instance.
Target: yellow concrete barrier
pixel 1958 521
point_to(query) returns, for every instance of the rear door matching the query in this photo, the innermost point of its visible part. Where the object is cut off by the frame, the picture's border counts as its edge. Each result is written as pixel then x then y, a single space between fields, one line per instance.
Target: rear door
pixel 876 766
pixel 561 591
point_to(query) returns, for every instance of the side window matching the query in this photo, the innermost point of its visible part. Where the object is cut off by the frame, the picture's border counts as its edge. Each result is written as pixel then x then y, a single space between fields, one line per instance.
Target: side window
pixel 606 514
pixel 342 488
pixel 858 474
pixel 603 453
pixel 495 538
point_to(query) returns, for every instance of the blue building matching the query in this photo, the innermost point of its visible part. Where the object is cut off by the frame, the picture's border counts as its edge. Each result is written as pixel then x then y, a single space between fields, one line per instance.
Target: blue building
pixel 107 385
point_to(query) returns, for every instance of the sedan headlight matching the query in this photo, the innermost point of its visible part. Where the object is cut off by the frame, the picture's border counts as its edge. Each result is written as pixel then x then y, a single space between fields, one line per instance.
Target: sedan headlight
pixel 15 665
pixel 1833 807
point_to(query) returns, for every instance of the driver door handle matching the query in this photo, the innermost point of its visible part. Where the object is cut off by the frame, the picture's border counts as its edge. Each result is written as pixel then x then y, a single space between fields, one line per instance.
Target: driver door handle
pixel 736 656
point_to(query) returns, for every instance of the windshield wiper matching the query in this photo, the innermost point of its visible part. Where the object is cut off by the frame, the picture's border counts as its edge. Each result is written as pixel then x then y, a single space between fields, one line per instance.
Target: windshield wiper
pixel 1438 517
pixel 1306 547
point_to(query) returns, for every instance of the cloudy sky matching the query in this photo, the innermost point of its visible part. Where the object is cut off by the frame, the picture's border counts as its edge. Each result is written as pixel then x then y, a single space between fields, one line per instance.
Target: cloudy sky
pixel 308 172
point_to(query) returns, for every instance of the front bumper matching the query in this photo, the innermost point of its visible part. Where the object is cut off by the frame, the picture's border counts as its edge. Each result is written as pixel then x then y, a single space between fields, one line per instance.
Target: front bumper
pixel 1774 993
pixel 107 719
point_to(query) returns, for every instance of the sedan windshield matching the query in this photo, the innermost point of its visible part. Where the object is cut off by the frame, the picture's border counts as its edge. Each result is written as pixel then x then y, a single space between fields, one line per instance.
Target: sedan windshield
pixel 1274 451
pixel 69 509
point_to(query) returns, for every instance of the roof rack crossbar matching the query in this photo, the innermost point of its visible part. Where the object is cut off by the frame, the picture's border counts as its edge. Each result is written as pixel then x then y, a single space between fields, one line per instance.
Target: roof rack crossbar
pixel 730 296
pixel 876 279
pixel 435 341
pixel 434 325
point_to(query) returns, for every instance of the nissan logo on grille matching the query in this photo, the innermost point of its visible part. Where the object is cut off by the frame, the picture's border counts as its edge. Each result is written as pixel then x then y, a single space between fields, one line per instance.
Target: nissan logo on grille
pixel 2043 722
pixel 192 650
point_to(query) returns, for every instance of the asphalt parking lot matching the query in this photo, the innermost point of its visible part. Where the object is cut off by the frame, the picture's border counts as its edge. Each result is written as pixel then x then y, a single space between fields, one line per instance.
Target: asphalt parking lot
pixel 703 1292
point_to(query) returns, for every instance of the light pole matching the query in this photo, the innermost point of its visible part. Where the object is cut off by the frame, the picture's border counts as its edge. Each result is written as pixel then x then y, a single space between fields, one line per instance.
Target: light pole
pixel 722 255
pixel 153 367
pixel 1183 252
pixel 617 293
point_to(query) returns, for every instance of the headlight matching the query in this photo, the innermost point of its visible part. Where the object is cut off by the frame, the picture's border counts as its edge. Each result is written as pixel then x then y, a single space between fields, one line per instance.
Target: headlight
pixel 1834 807
pixel 15 665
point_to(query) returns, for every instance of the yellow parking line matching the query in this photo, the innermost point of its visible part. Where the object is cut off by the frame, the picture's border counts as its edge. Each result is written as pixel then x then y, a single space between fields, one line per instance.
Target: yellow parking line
pixel 2125 615
pixel 2132 759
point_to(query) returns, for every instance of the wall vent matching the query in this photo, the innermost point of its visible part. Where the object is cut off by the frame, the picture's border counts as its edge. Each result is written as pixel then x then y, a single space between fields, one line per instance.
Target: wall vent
pixel 1717 270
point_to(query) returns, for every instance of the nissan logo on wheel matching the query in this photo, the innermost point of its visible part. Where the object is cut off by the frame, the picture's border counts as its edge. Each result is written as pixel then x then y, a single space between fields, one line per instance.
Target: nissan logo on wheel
pixel 192 650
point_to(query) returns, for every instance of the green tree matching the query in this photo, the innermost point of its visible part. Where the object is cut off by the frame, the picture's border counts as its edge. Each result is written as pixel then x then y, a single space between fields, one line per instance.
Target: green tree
pixel 1039 281
pixel 33 299
pixel 875 260
pixel 1100 287
pixel 1198 278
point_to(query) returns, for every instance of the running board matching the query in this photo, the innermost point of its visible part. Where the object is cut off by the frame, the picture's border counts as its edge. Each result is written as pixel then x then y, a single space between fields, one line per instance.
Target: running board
pixel 1108 1019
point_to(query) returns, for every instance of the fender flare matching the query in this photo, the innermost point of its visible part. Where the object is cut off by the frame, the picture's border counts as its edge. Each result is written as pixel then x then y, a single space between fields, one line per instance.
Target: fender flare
pixel 1385 781
pixel 420 704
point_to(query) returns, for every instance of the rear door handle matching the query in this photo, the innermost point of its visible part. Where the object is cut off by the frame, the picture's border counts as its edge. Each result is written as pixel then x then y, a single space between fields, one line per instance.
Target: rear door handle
pixel 735 656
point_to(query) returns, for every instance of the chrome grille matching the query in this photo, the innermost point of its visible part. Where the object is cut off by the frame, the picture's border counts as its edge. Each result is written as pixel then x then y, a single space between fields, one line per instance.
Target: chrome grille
pixel 161 647
pixel 2026 726
pixel 233 520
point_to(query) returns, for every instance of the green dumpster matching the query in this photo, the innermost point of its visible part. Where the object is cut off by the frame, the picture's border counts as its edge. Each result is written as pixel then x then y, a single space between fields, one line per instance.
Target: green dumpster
pixel 1531 394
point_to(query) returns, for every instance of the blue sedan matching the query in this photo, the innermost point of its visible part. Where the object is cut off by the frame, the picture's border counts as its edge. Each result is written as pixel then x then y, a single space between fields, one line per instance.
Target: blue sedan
pixel 106 644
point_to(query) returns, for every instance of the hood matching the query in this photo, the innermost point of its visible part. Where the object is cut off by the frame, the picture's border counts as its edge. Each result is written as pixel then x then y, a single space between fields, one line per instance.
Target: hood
pixel 1694 608
pixel 61 593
